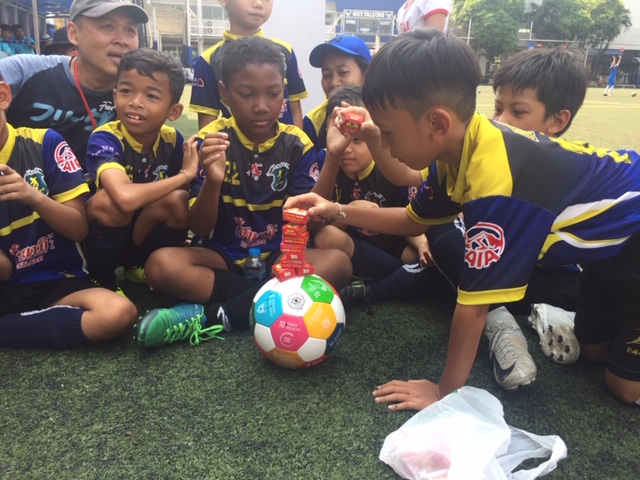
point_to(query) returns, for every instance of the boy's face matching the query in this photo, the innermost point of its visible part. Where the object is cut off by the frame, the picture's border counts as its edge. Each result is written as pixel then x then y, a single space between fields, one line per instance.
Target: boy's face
pixel 247 16
pixel 522 110
pixel 339 69
pixel 255 95
pixel 406 139
pixel 5 34
pixel 356 158
pixel 144 104
pixel 102 42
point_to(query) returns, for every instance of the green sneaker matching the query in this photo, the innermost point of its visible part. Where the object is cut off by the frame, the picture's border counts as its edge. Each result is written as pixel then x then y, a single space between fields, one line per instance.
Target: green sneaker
pixel 135 275
pixel 167 325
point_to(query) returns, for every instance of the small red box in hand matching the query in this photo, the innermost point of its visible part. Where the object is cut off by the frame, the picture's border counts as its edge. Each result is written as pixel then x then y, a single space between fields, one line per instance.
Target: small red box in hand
pixel 352 123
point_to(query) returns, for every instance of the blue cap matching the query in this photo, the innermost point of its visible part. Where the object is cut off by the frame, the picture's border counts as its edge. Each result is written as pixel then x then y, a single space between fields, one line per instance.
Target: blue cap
pixel 349 44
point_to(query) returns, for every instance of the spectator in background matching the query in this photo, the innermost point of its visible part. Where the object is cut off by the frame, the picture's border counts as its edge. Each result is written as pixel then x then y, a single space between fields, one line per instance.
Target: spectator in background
pixel 44 41
pixel 6 37
pixel 424 14
pixel 60 44
pixel 23 43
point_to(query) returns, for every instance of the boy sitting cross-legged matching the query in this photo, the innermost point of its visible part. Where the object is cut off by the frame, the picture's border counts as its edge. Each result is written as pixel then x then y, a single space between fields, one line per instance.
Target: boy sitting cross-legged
pixel 251 164
pixel 527 199
pixel 141 169
pixel 46 299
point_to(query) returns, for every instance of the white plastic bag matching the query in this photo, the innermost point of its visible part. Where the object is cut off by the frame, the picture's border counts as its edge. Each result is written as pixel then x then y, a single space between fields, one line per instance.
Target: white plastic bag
pixel 464 436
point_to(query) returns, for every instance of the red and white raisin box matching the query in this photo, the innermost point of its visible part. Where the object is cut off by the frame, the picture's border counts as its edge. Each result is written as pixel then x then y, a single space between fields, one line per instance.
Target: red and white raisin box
pixel 295 215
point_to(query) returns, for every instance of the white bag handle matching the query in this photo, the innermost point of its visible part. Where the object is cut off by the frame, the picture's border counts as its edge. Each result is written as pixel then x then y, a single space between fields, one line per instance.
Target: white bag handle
pixel 525 445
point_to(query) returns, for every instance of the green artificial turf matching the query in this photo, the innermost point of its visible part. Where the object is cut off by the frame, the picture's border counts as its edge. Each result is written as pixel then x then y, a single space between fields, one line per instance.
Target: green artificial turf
pixel 222 411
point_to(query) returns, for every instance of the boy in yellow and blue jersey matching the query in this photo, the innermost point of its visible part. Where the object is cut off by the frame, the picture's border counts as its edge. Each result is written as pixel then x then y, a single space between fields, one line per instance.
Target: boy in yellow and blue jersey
pixel 246 18
pixel 251 164
pixel 141 168
pixel 46 298
pixel 527 199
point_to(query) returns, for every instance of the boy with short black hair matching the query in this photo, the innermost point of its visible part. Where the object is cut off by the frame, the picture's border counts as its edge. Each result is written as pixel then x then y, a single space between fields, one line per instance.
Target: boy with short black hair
pixel 246 18
pixel 46 299
pixel 251 164
pixel 526 199
pixel 539 89
pixel 141 168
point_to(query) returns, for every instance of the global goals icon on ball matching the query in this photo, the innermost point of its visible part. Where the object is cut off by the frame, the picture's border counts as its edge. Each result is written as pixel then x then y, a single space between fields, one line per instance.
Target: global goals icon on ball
pixel 297 323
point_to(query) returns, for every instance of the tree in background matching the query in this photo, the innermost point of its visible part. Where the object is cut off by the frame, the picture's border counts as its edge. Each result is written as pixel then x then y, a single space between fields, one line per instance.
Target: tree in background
pixel 587 22
pixel 568 20
pixel 610 18
pixel 494 26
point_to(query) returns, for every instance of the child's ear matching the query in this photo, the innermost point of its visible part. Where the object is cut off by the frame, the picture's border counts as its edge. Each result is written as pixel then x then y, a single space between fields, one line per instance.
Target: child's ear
pixel 439 121
pixel 558 122
pixel 5 96
pixel 175 111
pixel 223 91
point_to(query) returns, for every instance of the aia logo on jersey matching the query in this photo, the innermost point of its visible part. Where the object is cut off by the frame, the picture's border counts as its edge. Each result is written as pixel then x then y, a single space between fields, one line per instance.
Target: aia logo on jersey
pixel 483 245
pixel 413 191
pixel 314 171
pixel 255 171
pixel 65 158
pixel 279 173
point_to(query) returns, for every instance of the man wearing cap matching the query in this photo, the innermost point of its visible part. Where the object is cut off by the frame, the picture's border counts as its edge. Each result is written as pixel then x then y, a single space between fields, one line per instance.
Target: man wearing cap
pixel 74 95
pixel 344 61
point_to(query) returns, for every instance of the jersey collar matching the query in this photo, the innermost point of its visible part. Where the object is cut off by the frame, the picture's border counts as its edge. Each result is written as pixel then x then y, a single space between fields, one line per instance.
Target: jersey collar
pixel 229 37
pixel 7 150
pixel 137 146
pixel 248 144
pixel 364 174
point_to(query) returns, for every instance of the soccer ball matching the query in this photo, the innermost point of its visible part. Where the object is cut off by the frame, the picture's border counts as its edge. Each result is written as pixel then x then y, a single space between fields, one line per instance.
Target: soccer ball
pixel 633 94
pixel 297 323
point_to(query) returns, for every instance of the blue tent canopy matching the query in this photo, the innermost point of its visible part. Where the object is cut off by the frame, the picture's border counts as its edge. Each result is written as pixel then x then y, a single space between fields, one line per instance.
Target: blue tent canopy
pixel 46 7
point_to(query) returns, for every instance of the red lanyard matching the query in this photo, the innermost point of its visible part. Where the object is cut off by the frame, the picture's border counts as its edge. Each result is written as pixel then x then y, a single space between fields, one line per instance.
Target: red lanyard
pixel 84 99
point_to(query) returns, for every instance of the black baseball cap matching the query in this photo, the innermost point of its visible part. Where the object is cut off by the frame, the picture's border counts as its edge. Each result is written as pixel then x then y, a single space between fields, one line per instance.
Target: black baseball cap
pixel 60 39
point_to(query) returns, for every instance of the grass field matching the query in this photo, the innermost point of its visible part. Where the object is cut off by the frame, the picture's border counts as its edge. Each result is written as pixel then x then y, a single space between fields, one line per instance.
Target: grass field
pixel 222 411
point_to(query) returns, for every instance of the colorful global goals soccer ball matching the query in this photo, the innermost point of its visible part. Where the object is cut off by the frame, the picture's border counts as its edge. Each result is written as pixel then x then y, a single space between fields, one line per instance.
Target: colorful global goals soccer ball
pixel 297 323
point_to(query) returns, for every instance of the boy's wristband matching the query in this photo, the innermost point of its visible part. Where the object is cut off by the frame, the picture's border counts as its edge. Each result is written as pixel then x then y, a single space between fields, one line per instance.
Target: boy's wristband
pixel 340 214
pixel 186 175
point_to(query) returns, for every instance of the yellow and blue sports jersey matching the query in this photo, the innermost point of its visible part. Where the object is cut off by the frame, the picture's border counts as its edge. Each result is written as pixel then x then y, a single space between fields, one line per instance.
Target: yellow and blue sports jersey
pixel 205 97
pixel 372 186
pixel 112 146
pixel 527 199
pixel 313 125
pixel 47 163
pixel 256 185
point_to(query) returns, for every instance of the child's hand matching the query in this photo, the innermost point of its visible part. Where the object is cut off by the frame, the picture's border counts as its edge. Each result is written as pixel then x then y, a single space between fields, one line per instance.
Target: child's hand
pixel 411 395
pixel 213 156
pixel 14 187
pixel 424 253
pixel 369 131
pixel 6 267
pixel 337 142
pixel 320 210
pixel 190 157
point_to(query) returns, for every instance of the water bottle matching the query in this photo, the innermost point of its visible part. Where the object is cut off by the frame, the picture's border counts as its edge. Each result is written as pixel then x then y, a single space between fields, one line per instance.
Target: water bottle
pixel 254 266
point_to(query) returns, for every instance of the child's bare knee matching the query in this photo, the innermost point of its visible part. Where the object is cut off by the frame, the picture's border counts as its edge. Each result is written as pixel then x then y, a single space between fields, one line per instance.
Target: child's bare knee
pixel 627 391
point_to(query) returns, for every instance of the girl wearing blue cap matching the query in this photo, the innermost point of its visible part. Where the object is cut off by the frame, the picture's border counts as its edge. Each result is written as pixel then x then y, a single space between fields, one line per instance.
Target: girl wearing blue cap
pixel 344 61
